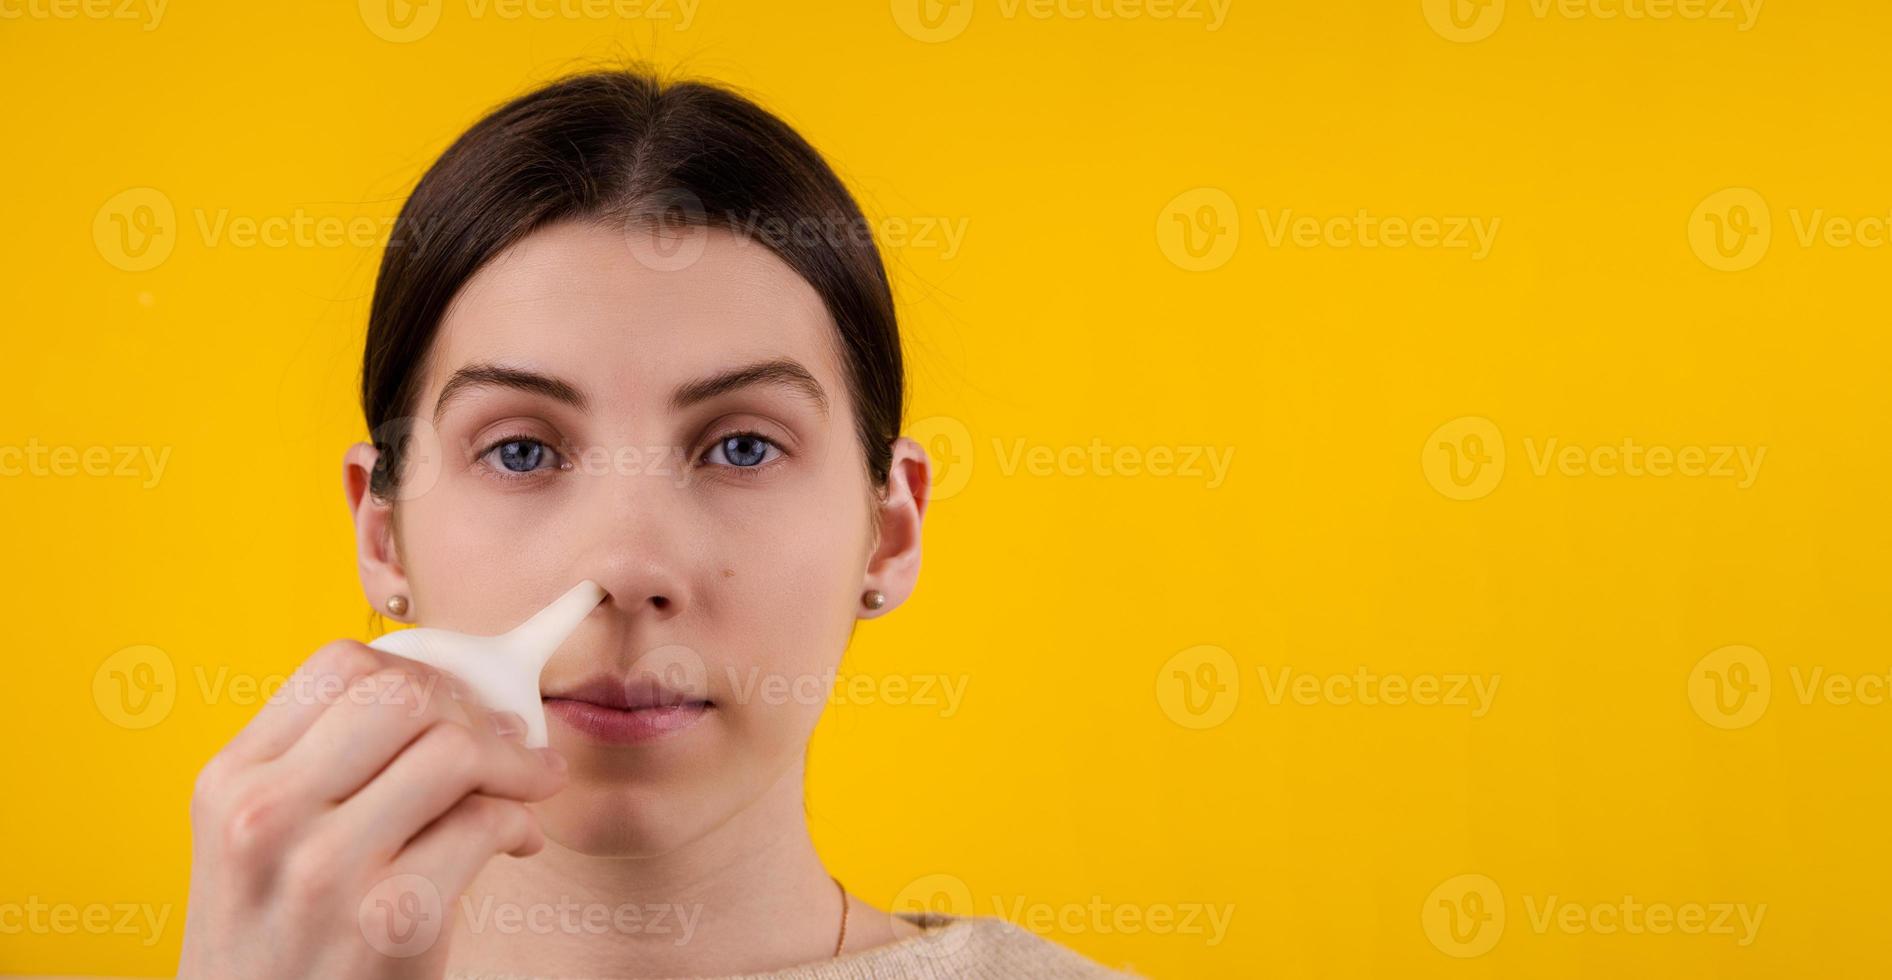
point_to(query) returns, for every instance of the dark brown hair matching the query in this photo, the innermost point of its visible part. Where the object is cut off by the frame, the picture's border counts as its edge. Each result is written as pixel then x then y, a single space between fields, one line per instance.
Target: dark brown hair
pixel 623 146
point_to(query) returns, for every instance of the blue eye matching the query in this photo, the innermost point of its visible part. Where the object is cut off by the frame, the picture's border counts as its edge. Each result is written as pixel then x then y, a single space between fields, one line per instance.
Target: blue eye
pixel 744 449
pixel 521 455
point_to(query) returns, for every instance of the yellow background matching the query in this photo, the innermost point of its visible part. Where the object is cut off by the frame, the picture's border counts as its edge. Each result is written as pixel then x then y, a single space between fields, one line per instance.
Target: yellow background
pixel 1074 149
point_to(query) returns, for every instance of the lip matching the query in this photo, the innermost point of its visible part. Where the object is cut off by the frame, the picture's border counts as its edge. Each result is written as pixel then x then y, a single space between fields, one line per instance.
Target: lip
pixel 622 726
pixel 630 711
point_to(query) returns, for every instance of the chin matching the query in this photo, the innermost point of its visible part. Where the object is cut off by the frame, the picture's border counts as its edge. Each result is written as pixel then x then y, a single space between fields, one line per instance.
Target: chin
pixel 613 819
pixel 650 799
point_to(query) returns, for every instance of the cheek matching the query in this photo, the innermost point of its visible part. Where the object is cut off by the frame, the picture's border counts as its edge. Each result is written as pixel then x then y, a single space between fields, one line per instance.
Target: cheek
pixel 465 554
pixel 787 572
pixel 776 610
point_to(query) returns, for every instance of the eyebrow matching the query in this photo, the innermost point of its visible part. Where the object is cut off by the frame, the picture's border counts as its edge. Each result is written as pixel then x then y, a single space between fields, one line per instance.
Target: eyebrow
pixel 780 371
pixel 473 377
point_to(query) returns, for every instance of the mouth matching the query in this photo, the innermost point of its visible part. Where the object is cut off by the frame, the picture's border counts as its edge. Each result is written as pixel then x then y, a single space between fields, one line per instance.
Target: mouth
pixel 620 711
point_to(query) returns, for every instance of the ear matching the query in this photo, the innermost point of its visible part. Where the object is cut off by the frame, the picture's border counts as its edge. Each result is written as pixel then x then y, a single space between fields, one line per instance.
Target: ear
pixel 377 559
pixel 894 566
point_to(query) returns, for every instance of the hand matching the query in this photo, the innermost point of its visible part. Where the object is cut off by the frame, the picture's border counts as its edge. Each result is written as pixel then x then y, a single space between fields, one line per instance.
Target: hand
pixel 334 834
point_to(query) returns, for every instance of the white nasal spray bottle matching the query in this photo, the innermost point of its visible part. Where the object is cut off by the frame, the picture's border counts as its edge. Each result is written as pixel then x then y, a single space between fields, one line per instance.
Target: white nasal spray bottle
pixel 503 671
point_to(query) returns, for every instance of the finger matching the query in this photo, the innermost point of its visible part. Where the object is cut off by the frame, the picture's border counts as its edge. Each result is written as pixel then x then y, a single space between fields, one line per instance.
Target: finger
pixel 447 763
pixel 453 849
pixel 508 724
pixel 315 685
pixel 380 714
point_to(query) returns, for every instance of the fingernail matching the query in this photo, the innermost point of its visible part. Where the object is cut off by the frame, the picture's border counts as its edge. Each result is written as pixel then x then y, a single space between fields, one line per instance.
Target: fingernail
pixel 508 724
pixel 553 760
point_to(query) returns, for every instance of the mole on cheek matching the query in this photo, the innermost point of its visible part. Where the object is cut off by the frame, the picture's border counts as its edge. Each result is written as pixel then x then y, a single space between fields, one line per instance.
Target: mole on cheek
pixel 729 573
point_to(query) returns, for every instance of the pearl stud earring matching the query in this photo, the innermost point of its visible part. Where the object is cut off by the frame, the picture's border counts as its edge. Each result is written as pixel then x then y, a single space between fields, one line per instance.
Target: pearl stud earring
pixel 874 598
pixel 397 604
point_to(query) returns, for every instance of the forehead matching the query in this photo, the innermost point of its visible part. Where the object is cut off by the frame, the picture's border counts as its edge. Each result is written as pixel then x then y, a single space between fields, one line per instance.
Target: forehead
pixel 587 301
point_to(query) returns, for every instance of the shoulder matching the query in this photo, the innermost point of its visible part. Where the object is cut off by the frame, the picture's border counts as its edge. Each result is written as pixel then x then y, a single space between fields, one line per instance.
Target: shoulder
pixel 977 946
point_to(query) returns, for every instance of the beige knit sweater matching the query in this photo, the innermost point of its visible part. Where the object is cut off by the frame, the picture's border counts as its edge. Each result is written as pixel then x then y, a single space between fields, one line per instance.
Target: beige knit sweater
pixel 972 947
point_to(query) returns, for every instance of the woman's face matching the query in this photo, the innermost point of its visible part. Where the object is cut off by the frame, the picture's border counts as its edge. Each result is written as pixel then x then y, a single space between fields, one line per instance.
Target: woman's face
pixel 683 437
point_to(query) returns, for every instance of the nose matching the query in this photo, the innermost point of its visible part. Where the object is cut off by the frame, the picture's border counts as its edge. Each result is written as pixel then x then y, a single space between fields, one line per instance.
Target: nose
pixel 639 545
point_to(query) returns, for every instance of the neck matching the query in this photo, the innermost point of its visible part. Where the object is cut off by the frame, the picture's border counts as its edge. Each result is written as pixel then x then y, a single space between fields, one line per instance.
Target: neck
pixel 749 896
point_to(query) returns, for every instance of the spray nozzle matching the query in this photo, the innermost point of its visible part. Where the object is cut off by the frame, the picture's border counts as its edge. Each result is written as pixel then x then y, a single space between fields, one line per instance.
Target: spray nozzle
pixel 503 671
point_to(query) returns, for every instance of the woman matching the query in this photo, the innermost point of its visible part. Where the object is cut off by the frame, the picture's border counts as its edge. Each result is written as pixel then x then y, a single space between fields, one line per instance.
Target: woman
pixel 634 333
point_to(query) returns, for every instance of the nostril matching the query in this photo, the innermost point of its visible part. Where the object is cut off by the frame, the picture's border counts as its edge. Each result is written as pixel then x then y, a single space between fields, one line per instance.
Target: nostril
pixel 660 602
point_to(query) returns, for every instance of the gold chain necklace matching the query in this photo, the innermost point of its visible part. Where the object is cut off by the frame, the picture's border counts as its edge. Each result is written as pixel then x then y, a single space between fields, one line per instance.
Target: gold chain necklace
pixel 842 938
